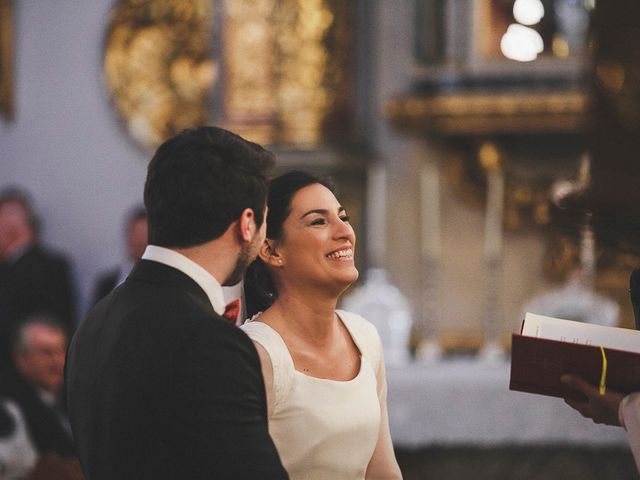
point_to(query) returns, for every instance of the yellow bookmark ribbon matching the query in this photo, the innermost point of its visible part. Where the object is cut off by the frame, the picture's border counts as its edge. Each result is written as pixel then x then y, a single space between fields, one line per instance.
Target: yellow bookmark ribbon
pixel 603 376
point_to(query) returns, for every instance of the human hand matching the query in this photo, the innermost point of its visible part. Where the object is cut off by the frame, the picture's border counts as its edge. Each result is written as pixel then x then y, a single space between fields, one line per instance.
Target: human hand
pixel 599 408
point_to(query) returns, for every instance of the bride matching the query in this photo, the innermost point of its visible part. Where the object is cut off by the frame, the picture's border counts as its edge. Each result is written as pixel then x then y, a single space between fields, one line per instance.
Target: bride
pixel 323 368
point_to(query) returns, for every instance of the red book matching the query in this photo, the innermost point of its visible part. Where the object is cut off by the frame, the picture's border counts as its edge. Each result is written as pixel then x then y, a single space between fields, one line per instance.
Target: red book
pixel 550 347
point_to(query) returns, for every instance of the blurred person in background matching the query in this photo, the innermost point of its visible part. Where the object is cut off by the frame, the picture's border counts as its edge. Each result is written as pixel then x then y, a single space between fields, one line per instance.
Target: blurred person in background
pixel 31 395
pixel 136 237
pixel 33 279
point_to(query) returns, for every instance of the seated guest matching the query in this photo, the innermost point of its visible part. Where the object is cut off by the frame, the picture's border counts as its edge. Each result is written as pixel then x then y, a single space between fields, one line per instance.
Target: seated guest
pixel 34 386
pixel 136 242
pixel 32 278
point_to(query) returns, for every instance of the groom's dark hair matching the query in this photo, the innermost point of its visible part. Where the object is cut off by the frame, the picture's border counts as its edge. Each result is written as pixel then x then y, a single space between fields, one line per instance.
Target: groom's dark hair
pixel 200 181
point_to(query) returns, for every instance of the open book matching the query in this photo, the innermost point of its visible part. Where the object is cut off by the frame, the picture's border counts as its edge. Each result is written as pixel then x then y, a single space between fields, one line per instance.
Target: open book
pixel 549 347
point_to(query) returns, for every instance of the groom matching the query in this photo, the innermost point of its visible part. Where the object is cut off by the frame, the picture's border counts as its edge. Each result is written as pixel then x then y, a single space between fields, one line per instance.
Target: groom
pixel 159 384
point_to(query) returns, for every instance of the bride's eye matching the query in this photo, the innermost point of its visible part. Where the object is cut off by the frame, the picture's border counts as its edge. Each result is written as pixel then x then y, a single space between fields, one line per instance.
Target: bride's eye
pixel 319 221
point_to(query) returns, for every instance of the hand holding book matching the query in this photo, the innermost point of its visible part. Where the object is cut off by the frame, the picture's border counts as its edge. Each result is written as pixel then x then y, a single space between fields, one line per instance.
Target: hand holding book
pixel 549 348
pixel 601 408
pixel 595 369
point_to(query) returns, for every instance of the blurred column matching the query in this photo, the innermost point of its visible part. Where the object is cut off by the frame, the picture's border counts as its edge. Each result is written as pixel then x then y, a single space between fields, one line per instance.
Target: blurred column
pixel 430 252
pixel 491 161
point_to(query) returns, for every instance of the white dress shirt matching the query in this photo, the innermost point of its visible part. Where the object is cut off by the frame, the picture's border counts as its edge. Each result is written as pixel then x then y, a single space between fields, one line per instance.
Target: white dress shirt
pixel 204 279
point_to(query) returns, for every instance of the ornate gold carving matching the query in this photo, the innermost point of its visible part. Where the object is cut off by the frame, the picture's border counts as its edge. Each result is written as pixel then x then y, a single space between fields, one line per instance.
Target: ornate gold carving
pixel 302 94
pixel 250 75
pixel 288 69
pixel 157 65
pixel 500 113
pixel 285 68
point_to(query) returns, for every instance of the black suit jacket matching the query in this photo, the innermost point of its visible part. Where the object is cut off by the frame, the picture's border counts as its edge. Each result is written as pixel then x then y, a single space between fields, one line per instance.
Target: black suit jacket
pixel 104 284
pixel 161 387
pixel 37 282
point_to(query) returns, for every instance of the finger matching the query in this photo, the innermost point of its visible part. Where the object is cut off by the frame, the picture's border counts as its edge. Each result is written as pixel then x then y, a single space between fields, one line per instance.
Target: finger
pixel 577 383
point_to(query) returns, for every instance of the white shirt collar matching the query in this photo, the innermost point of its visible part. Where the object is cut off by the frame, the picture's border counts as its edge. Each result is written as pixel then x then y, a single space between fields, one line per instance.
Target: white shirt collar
pixel 47 398
pixel 204 279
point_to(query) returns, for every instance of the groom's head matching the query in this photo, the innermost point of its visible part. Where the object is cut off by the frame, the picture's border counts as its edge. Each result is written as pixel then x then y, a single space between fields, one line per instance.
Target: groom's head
pixel 199 182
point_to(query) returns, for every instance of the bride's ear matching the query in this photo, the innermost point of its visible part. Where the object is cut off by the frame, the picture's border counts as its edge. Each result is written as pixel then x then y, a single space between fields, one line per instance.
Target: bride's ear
pixel 269 253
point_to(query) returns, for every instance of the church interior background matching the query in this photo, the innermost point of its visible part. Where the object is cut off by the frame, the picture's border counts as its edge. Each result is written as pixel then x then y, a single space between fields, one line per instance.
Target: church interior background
pixel 485 149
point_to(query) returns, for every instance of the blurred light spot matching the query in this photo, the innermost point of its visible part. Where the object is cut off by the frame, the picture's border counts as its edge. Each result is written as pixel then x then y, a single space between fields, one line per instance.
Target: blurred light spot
pixel 528 12
pixel 560 47
pixel 521 43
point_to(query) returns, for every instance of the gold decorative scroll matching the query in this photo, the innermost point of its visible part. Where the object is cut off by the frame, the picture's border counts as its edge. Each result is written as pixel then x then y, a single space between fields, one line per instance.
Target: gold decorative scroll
pixel 6 59
pixel 157 65
pixel 286 68
pixel 302 93
pixel 491 113
pixel 250 69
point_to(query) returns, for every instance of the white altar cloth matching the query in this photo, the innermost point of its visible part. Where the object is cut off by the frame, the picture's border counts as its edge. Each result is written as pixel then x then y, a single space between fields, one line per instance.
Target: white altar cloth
pixel 468 403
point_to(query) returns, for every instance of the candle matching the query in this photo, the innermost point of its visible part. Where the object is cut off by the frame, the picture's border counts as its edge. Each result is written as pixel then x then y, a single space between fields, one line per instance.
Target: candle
pixel 493 218
pixel 430 209
pixel 377 214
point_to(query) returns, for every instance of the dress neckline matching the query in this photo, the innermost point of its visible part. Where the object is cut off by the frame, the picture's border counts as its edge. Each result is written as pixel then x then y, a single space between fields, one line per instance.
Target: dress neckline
pixel 311 377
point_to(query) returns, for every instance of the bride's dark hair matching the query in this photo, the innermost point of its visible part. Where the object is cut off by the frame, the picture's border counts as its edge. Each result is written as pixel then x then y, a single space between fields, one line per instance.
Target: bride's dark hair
pixel 259 286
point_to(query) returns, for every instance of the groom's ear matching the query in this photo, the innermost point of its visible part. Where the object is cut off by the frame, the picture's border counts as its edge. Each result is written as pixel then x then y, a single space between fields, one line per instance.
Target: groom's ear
pixel 269 253
pixel 247 225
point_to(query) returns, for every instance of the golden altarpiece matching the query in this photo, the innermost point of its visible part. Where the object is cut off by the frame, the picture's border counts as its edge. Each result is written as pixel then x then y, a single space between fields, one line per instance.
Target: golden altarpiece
pixel 278 72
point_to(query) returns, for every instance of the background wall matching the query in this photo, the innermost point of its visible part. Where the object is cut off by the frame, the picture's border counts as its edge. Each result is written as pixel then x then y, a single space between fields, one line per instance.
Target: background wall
pixel 65 145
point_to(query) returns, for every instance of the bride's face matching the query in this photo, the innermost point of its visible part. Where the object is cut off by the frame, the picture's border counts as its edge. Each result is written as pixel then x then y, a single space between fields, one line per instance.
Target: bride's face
pixel 318 243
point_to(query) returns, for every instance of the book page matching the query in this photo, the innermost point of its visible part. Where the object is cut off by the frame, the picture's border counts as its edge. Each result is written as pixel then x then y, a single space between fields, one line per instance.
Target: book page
pixel 579 332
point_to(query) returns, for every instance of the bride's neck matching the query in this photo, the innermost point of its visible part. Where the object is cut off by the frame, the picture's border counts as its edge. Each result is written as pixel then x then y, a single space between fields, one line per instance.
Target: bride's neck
pixel 313 317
